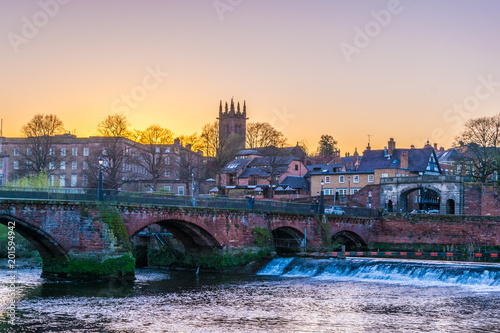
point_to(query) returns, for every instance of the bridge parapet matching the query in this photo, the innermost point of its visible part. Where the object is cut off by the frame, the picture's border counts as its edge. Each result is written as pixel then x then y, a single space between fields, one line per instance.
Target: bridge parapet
pixel 422 179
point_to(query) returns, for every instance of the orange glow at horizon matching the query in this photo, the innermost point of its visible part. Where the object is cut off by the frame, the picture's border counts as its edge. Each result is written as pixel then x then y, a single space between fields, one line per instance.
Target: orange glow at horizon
pixel 170 63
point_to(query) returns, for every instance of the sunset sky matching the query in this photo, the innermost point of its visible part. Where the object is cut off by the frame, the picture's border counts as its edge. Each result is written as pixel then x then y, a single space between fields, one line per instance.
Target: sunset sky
pixel 411 70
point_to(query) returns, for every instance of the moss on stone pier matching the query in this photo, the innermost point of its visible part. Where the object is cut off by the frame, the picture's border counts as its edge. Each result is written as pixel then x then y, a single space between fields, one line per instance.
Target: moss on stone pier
pixel 90 268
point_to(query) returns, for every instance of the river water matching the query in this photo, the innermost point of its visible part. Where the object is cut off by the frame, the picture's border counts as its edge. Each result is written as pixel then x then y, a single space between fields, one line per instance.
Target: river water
pixel 287 295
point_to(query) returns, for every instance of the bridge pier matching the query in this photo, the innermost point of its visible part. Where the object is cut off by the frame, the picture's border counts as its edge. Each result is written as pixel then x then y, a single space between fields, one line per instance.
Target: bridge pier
pixel 75 241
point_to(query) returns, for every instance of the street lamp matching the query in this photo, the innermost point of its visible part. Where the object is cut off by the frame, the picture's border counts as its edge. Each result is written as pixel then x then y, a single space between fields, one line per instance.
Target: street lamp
pixel 349 186
pixel 321 199
pixel 193 202
pixel 100 192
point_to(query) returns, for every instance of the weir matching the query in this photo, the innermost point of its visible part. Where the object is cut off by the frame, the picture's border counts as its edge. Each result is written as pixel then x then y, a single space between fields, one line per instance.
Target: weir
pixel 388 271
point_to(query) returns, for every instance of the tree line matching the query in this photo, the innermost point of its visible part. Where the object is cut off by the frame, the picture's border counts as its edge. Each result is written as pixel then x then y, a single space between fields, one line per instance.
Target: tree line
pixel 138 157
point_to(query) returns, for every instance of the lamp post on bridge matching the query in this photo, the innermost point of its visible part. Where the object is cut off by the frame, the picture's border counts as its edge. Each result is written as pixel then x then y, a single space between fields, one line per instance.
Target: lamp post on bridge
pixel 100 191
pixel 193 202
pixel 322 199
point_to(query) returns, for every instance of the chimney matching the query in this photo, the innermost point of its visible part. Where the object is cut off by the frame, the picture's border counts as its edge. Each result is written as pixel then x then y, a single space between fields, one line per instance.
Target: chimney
pixel 391 145
pixel 435 146
pixel 404 160
pixel 188 146
pixel 177 141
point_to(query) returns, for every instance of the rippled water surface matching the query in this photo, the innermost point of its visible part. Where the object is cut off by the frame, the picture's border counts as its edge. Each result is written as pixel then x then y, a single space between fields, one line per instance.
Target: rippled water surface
pixel 286 296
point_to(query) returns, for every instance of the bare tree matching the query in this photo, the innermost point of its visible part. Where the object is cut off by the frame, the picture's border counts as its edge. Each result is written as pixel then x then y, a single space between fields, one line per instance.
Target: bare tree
pixel 263 135
pixel 222 150
pixel 117 151
pixel 193 140
pixel 40 154
pixel 274 163
pixel 481 139
pixel 189 167
pixel 151 152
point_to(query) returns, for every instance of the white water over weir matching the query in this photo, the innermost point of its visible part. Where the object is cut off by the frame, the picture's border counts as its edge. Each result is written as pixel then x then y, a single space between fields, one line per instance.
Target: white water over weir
pixel 425 273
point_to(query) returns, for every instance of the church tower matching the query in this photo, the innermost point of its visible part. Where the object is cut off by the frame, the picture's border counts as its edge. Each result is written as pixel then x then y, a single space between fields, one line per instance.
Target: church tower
pixel 233 123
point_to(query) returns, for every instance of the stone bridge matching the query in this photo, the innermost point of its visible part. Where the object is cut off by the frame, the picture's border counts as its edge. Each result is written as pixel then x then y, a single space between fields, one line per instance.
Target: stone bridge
pixel 91 239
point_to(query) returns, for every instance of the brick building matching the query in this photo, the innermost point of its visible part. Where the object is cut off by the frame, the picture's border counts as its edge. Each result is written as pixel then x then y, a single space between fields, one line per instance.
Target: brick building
pixel 73 162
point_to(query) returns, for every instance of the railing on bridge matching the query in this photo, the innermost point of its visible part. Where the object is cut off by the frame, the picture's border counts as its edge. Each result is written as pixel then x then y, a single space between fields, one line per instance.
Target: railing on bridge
pixel 68 194
pixel 421 179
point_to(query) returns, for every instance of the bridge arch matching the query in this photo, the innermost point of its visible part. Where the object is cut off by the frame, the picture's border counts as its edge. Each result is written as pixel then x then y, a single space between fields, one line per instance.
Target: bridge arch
pixel 428 197
pixel 44 243
pixel 351 240
pixel 287 239
pixel 444 188
pixel 191 235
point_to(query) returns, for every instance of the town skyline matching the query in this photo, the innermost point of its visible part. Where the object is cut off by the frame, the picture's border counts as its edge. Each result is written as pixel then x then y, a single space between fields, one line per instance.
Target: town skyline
pixel 414 71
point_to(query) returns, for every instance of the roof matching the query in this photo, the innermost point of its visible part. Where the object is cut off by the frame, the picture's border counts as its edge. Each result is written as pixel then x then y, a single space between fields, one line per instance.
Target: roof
pixel 234 166
pixel 261 172
pixel 450 155
pixel 321 169
pixel 295 182
pixel 248 152
pixel 269 160
pixel 418 159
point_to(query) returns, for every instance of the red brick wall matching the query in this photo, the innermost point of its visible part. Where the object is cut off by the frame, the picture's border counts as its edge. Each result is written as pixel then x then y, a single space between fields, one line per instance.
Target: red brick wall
pixel 437 229
pixel 481 199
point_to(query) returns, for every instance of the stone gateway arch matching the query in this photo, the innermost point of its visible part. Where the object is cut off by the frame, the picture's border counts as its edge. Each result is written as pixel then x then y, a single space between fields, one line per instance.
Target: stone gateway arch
pixel 442 193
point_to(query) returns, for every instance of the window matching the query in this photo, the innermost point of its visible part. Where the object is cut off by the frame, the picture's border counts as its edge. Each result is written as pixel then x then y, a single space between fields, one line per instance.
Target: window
pixel 167 160
pixel 327 179
pixel 296 167
pixel 167 150
pixel 62 180
pixel 52 151
pixel 85 151
pixel 74 179
pixel 328 191
pixel 74 165
pixel 16 165
pixel 354 190
pixel 385 175
pixel 74 151
pixel 28 151
pixel 180 190
pixel 370 178
pixel 85 165
pixel 341 179
pixel 63 151
pixel 166 188
pixel 16 151
pixel 342 191
pixel 85 181
pixel 63 165
pixel 1 164
pixel 157 149
pixel 167 173
pixel 355 179
pixel 51 165
pixel 52 179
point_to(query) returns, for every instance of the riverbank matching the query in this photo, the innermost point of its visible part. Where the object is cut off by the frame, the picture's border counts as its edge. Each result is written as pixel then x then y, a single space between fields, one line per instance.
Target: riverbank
pixel 22 263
